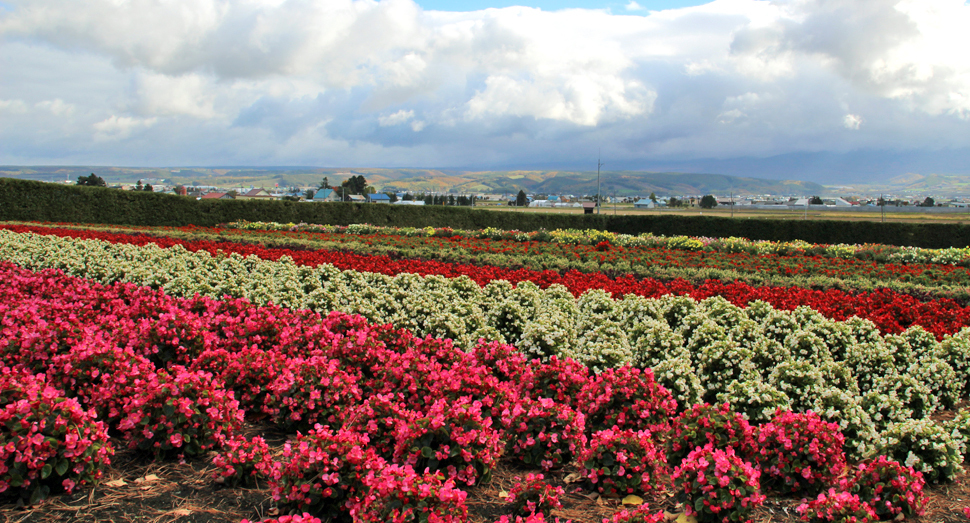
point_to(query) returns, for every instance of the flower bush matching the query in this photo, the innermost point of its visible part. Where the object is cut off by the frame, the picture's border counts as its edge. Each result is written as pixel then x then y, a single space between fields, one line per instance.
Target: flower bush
pixel 380 416
pixel 640 514
pixel 322 472
pixel 47 443
pixel 453 438
pixel 799 452
pixel 560 379
pixel 889 488
pixel 311 391
pixel 626 398
pixel 179 412
pixel 717 486
pixel 924 446
pixel 396 494
pixel 542 432
pixel 304 518
pixel 704 424
pixel 621 462
pixel 533 496
pixel 836 507
pixel 241 461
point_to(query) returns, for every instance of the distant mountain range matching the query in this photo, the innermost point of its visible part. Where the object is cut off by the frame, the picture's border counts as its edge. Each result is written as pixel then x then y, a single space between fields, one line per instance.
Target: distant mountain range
pixel 623 183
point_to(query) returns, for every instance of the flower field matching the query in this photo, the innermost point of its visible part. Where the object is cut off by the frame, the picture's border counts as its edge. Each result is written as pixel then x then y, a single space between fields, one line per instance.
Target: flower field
pixel 400 387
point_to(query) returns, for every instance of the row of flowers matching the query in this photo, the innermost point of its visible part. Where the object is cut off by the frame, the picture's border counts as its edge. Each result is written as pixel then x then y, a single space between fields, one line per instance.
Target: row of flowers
pixel 923 281
pixel 757 358
pixel 374 404
pixel 890 311
pixel 885 253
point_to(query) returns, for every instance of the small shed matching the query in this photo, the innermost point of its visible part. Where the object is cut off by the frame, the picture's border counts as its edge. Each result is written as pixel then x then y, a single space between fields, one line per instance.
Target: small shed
pixel 588 207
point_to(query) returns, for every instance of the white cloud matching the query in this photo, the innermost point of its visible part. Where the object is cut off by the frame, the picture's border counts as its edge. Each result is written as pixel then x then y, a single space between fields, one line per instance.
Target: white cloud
pixel 852 121
pixel 13 106
pixel 119 128
pixel 397 118
pixel 275 77
pixel 57 107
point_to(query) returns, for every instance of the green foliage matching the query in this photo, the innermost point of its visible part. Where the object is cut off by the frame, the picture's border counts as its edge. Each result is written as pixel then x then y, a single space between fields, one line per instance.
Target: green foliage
pixel 38 201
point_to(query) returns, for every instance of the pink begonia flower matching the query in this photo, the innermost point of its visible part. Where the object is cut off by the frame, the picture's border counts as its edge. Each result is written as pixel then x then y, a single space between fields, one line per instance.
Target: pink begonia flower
pixel 176 439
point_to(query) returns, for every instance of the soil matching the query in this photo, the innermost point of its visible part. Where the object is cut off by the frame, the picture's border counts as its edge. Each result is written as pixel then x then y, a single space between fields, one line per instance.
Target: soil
pixel 137 489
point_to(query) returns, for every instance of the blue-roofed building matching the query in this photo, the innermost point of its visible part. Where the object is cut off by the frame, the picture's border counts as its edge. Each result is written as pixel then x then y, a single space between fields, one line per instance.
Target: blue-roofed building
pixel 326 195
pixel 378 197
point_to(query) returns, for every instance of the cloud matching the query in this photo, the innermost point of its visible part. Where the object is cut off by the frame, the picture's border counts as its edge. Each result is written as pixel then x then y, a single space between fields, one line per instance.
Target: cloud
pixel 852 121
pixel 384 82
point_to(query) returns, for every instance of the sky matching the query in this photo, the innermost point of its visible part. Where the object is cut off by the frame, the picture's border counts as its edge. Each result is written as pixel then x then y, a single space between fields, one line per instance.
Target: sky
pixel 829 90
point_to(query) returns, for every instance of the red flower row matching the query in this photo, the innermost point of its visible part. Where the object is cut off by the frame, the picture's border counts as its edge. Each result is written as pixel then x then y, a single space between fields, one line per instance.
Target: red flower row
pixel 892 312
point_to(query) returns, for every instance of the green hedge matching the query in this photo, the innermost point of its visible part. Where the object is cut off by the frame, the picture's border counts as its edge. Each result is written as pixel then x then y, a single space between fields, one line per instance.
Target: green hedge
pixel 39 201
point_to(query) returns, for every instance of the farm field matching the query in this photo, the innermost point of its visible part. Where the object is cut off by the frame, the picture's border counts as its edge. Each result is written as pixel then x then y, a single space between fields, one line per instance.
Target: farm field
pixel 256 370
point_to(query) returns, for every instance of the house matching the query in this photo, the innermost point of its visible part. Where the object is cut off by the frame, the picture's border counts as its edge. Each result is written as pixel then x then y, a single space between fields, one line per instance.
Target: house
pixel 378 197
pixel 326 195
pixel 255 194
pixel 540 203
pixel 644 203
pixel 216 196
pixel 356 198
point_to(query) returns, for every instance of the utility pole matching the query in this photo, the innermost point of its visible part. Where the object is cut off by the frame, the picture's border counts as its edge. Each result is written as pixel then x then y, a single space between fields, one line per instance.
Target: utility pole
pixel 732 203
pixel 614 201
pixel 883 206
pixel 598 165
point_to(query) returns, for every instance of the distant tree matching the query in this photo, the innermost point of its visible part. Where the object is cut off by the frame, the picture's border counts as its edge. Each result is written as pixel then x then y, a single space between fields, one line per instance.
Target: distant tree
pixel 91 181
pixel 653 197
pixel 451 199
pixel 148 187
pixel 139 186
pixel 521 200
pixel 324 183
pixel 181 190
pixel 815 200
pixel 309 194
pixel 291 198
pixel 233 193
pixel 408 197
pixel 428 199
pixel 881 202
pixel 928 202
pixel 355 184
pixel 392 197
pixel 708 202
pixel 674 202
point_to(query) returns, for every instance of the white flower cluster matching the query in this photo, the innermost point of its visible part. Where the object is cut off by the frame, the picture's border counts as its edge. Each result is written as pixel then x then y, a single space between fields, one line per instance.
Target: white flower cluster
pixel 757 358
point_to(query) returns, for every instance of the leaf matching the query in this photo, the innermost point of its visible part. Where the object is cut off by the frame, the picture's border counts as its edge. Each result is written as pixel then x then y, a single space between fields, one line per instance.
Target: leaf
pixel 116 483
pixel 684 518
pixel 503 494
pixel 62 467
pixel 633 500
pixel 427 452
pixel 574 477
pixel 46 471
pixel 181 512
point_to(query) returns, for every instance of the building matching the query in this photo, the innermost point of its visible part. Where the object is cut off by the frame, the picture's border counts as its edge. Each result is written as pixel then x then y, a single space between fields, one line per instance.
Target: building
pixel 378 197
pixel 326 195
pixel 216 196
pixel 255 194
pixel 644 203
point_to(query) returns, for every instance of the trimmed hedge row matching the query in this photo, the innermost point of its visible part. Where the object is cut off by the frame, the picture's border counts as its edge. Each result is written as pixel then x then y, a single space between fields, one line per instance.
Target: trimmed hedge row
pixel 29 200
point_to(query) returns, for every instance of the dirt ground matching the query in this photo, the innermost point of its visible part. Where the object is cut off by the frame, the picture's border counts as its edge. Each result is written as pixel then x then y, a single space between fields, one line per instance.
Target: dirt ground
pixel 136 489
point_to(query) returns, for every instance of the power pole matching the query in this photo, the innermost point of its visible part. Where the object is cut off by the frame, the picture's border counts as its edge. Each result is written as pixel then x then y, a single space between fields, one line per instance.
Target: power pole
pixel 598 165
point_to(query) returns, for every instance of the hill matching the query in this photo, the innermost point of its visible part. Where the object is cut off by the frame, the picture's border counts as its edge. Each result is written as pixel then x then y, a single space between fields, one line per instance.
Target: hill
pixel 623 183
